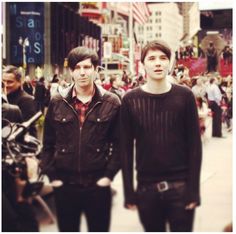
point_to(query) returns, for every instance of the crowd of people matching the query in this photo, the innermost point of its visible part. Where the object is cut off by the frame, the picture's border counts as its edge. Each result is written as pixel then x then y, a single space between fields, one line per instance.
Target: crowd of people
pixel 84 147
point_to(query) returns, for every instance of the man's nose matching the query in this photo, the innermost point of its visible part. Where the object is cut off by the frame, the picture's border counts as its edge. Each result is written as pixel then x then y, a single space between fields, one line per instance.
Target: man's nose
pixel 82 70
pixel 158 62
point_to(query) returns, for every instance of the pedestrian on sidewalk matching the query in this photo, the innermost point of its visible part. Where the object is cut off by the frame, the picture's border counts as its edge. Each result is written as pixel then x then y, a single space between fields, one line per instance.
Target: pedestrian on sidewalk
pixel 40 94
pixel 214 102
pixel 81 146
pixel 162 118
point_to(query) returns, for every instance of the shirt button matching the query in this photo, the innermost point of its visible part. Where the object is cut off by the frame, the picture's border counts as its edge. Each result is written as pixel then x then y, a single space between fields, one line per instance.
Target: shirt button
pixel 63 150
pixel 98 119
pixel 98 150
pixel 64 120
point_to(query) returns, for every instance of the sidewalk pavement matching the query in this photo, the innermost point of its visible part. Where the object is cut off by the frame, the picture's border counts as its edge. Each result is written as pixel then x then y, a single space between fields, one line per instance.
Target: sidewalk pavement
pixel 215 211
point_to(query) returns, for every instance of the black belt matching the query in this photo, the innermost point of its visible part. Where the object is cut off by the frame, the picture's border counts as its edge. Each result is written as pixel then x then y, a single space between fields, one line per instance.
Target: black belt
pixel 161 186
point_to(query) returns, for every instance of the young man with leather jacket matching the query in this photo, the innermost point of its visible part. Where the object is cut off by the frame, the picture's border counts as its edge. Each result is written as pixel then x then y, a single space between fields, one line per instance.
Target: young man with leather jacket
pixel 81 146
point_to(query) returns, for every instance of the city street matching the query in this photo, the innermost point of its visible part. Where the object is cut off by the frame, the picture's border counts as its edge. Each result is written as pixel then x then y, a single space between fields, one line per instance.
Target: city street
pixel 215 211
pixel 74 62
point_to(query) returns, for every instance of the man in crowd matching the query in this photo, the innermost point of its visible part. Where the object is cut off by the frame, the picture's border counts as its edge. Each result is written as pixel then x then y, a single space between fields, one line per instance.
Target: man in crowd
pixel 12 79
pixel 211 57
pixel 81 146
pixel 116 84
pixel 214 100
pixel 162 118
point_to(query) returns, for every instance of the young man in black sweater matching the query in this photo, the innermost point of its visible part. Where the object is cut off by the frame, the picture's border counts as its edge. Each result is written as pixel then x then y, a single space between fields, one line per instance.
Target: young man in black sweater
pixel 162 119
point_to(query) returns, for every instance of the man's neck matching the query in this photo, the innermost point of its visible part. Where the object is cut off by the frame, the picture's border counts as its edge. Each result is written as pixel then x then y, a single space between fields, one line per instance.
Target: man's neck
pixel 115 86
pixel 157 86
pixel 84 94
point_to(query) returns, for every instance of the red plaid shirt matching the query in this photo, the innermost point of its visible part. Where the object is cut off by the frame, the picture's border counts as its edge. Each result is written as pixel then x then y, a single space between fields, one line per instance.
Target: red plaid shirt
pixel 80 107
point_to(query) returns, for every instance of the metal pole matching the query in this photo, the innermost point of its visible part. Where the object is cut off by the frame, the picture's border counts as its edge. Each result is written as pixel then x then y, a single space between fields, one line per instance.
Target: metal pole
pixel 106 64
pixel 131 51
pixel 24 56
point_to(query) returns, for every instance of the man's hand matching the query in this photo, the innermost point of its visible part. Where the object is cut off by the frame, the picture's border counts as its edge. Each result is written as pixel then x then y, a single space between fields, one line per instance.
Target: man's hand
pixel 32 168
pixel 104 182
pixel 191 206
pixel 131 206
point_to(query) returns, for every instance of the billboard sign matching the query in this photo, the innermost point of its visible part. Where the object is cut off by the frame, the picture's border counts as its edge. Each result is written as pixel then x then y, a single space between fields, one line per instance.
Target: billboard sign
pixel 26 22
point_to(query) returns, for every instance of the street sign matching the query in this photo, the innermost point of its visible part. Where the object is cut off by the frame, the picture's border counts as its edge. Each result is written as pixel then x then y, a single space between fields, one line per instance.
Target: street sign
pixel 107 50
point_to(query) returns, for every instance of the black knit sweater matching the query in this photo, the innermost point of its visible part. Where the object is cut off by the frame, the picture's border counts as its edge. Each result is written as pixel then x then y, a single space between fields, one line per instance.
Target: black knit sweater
pixel 168 144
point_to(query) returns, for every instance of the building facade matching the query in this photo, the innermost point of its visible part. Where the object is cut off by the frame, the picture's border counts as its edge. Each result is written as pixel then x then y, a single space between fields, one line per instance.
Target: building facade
pixel 51 30
pixel 165 23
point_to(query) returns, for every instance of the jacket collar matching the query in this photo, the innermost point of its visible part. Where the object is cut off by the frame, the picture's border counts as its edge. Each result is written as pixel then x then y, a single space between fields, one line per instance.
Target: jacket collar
pixel 67 93
pixel 15 94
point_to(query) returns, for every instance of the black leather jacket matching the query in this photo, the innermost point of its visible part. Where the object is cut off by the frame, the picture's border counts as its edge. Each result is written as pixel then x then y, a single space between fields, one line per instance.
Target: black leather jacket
pixel 26 104
pixel 84 154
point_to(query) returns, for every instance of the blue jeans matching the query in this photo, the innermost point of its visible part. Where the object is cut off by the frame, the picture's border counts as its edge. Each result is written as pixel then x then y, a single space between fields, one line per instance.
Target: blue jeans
pixel 156 209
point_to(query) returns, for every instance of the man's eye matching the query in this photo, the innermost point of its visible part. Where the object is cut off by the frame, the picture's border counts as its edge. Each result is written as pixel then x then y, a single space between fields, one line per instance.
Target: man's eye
pixel 87 67
pixel 163 58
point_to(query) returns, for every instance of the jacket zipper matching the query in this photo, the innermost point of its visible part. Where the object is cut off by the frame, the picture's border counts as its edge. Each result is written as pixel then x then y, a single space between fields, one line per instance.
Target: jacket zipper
pixel 81 127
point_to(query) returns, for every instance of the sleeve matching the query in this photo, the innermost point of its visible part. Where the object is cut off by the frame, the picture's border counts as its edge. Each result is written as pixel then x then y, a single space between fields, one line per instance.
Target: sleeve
pixel 113 165
pixel 218 95
pixel 28 109
pixel 49 140
pixel 194 149
pixel 127 157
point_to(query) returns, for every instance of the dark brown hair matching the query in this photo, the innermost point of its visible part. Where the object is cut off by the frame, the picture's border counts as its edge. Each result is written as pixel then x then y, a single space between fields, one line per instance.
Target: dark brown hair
pixel 156 45
pixel 79 54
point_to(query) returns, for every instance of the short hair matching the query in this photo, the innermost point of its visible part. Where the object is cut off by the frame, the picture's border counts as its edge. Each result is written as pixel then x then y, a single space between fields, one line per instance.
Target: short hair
pixel 113 79
pixel 79 54
pixel 156 45
pixel 212 80
pixel 10 69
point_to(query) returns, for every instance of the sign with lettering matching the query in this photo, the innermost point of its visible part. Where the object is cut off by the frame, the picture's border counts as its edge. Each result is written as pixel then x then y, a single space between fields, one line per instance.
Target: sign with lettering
pixel 26 32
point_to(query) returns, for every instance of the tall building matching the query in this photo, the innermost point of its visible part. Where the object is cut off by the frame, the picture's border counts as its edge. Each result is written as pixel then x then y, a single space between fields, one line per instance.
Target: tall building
pixel 165 23
pixel 176 23
pixel 191 20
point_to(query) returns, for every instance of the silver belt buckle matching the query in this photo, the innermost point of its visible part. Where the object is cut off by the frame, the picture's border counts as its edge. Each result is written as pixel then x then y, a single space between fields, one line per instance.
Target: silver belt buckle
pixel 162 186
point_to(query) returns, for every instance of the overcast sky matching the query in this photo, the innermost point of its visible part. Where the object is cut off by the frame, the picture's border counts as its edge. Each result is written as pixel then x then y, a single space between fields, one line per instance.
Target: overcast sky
pixel 215 4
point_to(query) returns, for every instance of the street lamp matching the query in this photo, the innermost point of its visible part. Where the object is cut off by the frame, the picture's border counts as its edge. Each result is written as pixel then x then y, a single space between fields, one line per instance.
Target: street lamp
pixel 24 43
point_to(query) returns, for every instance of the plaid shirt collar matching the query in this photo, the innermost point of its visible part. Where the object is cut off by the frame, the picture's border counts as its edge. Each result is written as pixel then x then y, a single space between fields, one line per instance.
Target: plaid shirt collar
pixel 80 107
